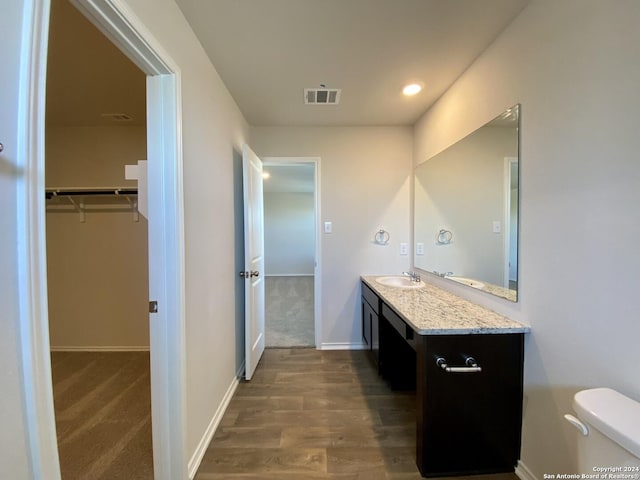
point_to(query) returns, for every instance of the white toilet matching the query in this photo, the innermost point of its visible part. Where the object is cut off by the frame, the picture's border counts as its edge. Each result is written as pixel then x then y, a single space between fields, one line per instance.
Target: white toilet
pixel 609 444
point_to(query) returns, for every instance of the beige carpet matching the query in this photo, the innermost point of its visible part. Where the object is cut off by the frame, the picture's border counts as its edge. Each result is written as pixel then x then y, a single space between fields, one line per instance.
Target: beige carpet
pixel 103 415
pixel 289 312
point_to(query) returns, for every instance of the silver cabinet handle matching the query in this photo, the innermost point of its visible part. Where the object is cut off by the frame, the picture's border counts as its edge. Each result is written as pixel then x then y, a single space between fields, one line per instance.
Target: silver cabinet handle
pixel 255 273
pixel 471 366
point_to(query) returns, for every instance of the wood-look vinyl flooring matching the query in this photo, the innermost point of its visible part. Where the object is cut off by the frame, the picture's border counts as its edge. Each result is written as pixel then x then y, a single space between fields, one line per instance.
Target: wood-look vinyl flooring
pixel 310 414
pixel 103 415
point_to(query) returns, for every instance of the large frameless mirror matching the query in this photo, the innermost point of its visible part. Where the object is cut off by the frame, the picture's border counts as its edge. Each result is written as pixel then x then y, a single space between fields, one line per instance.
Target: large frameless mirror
pixel 466 209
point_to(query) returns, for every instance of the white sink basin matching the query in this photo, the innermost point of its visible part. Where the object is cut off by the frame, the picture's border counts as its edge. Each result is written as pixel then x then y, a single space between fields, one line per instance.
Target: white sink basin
pixel 467 281
pixel 398 281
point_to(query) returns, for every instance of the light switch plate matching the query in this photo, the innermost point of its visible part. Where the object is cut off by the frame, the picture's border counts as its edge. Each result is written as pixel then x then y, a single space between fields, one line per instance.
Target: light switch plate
pixel 328 227
pixel 497 227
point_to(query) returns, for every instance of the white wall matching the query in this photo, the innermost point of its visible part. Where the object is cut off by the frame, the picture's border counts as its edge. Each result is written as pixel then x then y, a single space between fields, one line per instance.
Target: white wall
pixel 575 68
pixel 13 443
pixel 213 130
pixel 98 278
pixel 364 185
pixel 289 233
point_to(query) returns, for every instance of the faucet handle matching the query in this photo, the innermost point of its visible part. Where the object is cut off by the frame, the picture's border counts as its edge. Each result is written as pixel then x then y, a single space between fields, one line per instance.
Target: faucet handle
pixel 413 275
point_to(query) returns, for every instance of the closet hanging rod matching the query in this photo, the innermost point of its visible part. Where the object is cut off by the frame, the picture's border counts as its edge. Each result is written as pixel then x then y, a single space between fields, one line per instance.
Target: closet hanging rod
pixel 85 192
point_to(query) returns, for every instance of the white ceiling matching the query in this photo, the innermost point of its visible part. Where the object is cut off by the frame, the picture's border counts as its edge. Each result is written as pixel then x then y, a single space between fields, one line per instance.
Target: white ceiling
pixel 268 51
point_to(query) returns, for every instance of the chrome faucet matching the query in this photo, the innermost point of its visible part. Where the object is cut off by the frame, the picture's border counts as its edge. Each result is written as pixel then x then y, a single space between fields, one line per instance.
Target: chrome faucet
pixel 443 274
pixel 413 275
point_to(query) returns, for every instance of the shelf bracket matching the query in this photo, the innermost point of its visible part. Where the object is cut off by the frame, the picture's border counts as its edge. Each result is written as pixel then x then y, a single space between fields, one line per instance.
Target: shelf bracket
pixel 134 209
pixel 79 208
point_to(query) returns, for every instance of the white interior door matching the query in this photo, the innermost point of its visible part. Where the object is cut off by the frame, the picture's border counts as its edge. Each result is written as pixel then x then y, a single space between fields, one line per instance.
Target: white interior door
pixel 254 259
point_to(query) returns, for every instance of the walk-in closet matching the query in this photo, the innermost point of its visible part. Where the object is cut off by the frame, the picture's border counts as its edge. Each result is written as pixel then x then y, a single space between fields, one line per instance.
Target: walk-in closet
pixel 97 253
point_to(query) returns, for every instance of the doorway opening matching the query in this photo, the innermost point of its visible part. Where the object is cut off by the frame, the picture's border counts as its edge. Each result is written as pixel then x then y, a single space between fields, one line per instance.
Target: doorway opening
pixel 97 252
pixel 165 238
pixel 291 252
pixel 511 223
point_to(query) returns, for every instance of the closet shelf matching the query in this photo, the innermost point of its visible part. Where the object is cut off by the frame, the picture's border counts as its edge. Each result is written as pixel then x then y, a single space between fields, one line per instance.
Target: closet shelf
pixel 90 191
pixel 95 199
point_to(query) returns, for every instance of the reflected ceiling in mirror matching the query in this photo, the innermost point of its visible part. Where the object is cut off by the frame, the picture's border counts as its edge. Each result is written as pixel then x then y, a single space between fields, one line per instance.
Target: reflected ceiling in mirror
pixel 466 209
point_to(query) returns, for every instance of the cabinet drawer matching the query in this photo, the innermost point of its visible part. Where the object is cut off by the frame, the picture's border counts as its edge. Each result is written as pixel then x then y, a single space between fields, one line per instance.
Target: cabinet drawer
pixel 399 325
pixel 372 299
pixel 484 408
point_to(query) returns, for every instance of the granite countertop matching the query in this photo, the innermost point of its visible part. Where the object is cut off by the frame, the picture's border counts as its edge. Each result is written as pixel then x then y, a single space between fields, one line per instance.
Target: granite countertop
pixel 433 311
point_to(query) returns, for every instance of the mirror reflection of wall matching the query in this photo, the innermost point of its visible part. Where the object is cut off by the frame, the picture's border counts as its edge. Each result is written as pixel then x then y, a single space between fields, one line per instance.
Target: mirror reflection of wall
pixel 471 190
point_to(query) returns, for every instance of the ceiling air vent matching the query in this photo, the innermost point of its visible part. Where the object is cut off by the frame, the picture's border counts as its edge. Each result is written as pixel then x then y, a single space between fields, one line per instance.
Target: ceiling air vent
pixel 322 96
pixel 117 117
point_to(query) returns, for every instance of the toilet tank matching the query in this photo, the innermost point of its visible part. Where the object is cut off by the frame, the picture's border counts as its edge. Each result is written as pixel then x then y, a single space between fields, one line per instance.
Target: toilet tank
pixel 609 447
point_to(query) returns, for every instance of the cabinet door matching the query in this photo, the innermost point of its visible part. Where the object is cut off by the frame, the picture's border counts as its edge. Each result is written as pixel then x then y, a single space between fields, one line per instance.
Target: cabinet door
pixel 469 423
pixel 375 338
pixel 367 314
pixel 370 311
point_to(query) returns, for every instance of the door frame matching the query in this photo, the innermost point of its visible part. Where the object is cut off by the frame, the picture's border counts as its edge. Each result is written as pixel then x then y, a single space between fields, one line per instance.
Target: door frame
pixel 128 33
pixel 508 162
pixel 317 273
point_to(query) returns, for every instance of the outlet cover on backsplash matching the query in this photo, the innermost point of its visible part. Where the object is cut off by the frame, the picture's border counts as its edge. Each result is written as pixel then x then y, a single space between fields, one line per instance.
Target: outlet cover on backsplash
pixel 404 249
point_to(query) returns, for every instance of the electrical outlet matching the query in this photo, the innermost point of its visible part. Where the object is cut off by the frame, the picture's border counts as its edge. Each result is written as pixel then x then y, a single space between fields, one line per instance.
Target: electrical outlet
pixel 420 248
pixel 497 227
pixel 404 249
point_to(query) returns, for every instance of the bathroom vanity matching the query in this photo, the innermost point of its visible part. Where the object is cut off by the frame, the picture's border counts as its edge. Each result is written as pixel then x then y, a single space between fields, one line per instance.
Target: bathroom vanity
pixel 465 363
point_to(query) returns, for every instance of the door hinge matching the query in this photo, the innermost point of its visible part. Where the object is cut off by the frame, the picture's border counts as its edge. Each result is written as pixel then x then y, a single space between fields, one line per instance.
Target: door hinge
pixel 153 306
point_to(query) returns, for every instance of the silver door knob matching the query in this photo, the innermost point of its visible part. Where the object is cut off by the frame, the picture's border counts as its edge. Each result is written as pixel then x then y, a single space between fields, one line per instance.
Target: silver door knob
pixel 244 274
pixel 255 273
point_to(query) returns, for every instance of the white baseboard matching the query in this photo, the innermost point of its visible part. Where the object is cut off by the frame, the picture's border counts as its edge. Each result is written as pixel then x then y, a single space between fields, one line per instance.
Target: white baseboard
pixel 201 449
pixel 100 348
pixel 343 346
pixel 523 472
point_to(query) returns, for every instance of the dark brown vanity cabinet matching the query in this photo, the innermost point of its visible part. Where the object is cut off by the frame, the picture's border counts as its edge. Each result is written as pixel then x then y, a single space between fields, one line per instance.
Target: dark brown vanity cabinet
pixel 468 393
pixel 469 413
pixel 370 323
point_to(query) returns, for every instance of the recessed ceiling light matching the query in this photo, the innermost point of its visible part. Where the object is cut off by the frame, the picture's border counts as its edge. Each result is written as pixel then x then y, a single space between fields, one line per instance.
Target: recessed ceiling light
pixel 265 175
pixel 412 89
